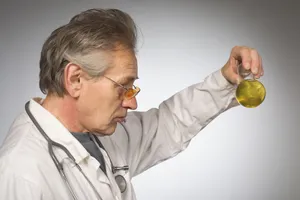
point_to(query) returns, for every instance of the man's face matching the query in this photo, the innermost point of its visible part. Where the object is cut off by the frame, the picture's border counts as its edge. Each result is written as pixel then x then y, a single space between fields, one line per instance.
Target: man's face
pixel 101 104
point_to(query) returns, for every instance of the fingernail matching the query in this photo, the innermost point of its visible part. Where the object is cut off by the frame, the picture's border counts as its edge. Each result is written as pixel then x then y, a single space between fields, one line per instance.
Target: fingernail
pixel 255 70
pixel 238 80
pixel 247 66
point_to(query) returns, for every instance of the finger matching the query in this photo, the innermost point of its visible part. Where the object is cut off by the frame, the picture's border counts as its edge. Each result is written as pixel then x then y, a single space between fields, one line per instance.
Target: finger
pixel 243 54
pixel 255 63
pixel 262 67
pixel 235 64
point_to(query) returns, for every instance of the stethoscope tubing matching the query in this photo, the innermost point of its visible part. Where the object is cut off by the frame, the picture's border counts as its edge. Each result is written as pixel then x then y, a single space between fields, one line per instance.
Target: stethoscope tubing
pixel 119 178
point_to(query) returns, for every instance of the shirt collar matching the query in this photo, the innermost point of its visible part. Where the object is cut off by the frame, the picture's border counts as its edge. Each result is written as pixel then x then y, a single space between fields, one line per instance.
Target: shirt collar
pixel 56 130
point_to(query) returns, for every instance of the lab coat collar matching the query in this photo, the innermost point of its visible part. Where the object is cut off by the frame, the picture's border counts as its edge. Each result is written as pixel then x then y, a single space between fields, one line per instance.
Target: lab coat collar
pixel 56 131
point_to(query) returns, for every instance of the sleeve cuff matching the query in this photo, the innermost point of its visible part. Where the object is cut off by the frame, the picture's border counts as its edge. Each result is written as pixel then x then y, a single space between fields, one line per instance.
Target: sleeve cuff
pixel 221 81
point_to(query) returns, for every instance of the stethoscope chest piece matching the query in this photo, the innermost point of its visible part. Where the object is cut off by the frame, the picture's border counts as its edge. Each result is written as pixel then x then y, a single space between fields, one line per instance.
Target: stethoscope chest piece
pixel 121 182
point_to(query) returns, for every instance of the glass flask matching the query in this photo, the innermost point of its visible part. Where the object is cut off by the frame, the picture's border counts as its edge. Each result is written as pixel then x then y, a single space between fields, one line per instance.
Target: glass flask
pixel 250 92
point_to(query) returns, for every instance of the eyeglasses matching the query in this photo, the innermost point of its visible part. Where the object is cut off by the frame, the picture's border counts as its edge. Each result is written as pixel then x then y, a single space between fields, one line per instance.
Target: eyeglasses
pixel 129 92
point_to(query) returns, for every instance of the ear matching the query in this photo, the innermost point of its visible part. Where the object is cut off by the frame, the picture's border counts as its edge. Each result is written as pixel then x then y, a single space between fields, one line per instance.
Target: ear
pixel 72 80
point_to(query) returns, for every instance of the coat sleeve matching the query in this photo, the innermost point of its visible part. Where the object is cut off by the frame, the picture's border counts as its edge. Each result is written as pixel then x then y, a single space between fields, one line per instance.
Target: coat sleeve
pixel 148 138
pixel 13 187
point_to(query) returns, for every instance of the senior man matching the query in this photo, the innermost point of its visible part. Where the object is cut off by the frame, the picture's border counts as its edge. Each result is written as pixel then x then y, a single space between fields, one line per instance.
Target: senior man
pixel 80 141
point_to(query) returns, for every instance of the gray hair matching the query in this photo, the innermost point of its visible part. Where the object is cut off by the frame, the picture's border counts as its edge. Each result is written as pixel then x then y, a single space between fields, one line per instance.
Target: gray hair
pixel 80 41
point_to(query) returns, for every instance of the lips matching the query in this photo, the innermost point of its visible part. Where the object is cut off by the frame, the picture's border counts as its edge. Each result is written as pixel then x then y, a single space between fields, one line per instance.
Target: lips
pixel 120 119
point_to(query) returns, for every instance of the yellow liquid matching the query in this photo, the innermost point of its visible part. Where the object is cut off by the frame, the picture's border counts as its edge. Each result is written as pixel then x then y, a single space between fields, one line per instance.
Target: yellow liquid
pixel 250 93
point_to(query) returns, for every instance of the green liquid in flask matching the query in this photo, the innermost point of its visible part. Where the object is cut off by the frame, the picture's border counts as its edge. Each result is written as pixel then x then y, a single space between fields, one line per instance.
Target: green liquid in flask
pixel 250 93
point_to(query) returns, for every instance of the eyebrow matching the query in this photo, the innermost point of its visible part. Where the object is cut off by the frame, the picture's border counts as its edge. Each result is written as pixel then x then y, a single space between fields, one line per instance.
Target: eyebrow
pixel 129 79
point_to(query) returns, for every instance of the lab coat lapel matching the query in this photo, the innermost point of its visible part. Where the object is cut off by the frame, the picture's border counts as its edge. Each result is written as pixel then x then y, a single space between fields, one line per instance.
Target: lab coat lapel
pixel 111 178
pixel 101 175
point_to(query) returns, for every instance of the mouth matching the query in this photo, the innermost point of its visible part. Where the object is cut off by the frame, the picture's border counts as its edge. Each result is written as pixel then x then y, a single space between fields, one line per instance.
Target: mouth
pixel 120 119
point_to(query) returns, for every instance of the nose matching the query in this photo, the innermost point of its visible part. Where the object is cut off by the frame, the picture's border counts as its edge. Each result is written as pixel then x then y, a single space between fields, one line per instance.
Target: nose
pixel 130 103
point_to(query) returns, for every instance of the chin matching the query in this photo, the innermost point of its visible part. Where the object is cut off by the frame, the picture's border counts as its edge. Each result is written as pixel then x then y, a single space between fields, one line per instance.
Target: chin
pixel 107 131
pixel 112 129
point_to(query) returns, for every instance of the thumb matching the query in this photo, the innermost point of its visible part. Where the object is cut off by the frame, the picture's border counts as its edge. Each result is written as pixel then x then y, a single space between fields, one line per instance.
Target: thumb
pixel 235 65
pixel 239 79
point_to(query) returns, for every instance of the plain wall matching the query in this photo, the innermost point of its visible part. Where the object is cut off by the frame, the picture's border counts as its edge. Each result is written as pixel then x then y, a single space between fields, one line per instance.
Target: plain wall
pixel 245 154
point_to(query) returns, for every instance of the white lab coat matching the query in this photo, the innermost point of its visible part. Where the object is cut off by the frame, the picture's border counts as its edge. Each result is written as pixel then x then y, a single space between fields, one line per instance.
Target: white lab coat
pixel 146 139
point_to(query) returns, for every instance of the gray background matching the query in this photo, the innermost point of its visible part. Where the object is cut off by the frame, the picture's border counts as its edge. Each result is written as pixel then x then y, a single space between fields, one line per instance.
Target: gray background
pixel 245 154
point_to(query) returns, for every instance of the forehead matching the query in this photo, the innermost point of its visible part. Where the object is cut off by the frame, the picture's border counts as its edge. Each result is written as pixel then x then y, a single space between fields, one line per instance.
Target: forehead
pixel 123 64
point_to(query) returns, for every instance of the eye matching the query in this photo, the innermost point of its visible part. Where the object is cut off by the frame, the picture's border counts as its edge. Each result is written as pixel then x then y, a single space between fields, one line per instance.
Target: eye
pixel 128 84
pixel 124 83
pixel 121 91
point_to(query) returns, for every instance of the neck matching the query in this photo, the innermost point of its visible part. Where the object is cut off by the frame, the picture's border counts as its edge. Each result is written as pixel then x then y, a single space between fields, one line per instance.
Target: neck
pixel 64 109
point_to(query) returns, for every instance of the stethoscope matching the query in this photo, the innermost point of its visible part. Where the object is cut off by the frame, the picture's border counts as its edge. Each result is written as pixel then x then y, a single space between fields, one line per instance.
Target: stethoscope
pixel 119 178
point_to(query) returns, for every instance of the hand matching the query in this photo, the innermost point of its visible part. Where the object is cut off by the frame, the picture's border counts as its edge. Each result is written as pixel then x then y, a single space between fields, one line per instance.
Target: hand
pixel 248 58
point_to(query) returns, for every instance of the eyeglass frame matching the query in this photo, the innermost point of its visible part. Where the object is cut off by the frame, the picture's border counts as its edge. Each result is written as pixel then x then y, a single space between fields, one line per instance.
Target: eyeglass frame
pixel 122 86
pixel 135 88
